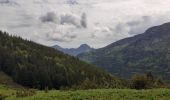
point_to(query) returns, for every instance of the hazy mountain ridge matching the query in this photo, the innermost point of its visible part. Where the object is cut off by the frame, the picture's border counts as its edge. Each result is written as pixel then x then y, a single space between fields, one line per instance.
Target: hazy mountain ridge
pixel 74 51
pixel 142 53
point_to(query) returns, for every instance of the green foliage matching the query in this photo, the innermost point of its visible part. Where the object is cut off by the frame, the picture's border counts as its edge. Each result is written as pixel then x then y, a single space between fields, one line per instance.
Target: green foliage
pixel 37 66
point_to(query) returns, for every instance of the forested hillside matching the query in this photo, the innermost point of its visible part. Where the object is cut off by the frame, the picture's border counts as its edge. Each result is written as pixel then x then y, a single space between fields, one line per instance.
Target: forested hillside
pixel 38 66
pixel 147 52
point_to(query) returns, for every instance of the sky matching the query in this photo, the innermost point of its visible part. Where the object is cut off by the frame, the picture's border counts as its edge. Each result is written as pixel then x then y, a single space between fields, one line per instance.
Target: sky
pixel 70 23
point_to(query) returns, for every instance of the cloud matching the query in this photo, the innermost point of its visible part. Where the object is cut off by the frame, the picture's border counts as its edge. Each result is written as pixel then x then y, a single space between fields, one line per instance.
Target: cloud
pixel 49 17
pixel 72 2
pixel 95 22
pixel 8 2
pixel 143 19
pixel 25 21
pixel 119 28
pixel 60 37
pixel 59 28
pixel 67 18
pixel 139 25
pixel 70 19
pixel 4 1
pixel 77 21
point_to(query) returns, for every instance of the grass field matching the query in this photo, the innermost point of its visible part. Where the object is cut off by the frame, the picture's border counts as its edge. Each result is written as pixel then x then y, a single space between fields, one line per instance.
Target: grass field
pixel 98 94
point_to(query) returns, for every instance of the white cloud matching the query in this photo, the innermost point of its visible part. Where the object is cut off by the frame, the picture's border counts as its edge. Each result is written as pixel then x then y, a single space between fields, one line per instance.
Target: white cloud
pixel 72 22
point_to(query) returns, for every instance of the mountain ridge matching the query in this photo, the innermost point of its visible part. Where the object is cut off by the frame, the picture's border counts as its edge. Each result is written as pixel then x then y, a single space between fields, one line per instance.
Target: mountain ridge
pixel 74 51
pixel 147 52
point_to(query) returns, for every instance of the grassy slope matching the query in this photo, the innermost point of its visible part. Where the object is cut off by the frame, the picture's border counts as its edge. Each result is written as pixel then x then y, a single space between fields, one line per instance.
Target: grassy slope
pixel 99 94
pixel 7 80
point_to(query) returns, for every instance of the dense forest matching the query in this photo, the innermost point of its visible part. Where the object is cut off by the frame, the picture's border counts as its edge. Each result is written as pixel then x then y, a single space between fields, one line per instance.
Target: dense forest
pixel 147 52
pixel 37 66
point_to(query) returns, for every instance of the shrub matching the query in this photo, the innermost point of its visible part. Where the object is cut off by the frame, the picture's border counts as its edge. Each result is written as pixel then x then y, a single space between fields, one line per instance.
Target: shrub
pixel 25 93
pixel 46 89
pixel 2 97
pixel 139 82
pixel 146 81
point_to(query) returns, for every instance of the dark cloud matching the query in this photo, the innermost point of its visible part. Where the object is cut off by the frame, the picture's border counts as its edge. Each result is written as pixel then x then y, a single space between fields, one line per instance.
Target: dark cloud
pixel 8 2
pixel 69 19
pixel 93 35
pixel 143 19
pixel 84 20
pixel 79 22
pixel 119 28
pixel 132 27
pixel 146 18
pixel 138 26
pixel 4 1
pixel 64 19
pixel 49 17
pixel 72 2
pixel 133 23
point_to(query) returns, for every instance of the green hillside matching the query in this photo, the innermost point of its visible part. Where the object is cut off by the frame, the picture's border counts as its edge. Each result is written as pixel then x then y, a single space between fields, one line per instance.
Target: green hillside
pixel 147 52
pixel 37 66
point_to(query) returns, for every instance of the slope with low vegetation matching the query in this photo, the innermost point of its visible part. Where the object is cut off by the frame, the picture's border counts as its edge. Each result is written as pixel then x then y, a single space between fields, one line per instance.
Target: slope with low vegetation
pixel 8 81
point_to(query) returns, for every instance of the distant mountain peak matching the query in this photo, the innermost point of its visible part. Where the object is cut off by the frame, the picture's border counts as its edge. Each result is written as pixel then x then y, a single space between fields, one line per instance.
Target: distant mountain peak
pixel 84 46
pixel 74 51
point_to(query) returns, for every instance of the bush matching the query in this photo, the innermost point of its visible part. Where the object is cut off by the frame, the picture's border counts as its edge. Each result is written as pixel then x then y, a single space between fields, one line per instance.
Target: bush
pixel 25 93
pixel 146 81
pixel 46 89
pixel 2 97
pixel 139 82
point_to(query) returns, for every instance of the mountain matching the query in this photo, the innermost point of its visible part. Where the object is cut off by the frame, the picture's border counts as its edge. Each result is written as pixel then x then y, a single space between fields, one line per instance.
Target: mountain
pixel 33 65
pixel 74 51
pixel 147 52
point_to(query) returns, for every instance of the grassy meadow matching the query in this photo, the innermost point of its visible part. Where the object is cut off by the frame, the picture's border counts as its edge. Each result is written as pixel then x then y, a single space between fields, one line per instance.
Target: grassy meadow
pixel 97 94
